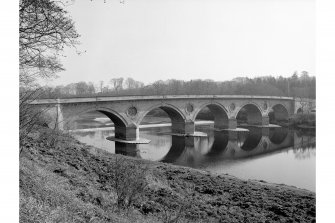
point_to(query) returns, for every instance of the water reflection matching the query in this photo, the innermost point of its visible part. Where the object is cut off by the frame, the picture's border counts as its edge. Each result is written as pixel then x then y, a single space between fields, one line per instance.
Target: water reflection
pixel 127 149
pixel 304 144
pixel 227 146
pixel 178 147
pixel 251 139
pixel 90 134
pixel 220 143
pixel 217 146
pixel 278 135
pixel 279 155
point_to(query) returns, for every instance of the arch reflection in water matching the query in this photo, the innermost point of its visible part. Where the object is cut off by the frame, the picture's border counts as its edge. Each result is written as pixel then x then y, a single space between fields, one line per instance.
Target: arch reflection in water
pixel 194 151
pixel 220 143
pixel 278 135
pixel 250 140
pixel 179 145
pixel 127 149
pixel 226 146
pixel 259 142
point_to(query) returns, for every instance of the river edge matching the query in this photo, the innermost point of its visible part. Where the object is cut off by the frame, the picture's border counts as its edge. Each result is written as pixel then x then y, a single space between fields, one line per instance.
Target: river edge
pixel 78 173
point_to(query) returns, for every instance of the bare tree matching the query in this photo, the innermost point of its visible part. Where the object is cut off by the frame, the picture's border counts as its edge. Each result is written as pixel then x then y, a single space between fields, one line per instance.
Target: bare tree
pixel 128 181
pixel 29 117
pixel 159 87
pixel 117 83
pixel 130 83
pixel 101 83
pixel 44 30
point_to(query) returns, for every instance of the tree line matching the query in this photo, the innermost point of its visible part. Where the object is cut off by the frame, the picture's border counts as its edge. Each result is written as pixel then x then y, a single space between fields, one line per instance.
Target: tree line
pixel 298 85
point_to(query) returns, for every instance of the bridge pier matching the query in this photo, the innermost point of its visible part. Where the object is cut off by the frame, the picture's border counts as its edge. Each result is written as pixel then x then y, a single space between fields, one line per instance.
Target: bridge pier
pixel 232 123
pixel 265 120
pixel 184 128
pixel 127 133
pixel 221 124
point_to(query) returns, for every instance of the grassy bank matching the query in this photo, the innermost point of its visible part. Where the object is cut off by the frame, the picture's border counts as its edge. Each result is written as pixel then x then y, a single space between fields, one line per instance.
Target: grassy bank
pixel 63 180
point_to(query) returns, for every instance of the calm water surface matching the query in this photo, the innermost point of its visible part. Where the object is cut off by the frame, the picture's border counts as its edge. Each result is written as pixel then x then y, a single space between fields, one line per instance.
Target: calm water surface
pixel 277 155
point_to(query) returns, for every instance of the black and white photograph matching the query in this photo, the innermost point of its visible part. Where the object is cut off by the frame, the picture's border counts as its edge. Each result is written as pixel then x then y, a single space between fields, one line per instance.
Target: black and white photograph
pixel 166 111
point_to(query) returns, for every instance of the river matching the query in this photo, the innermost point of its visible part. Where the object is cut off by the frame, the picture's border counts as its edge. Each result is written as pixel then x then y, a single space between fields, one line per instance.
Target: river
pixel 276 155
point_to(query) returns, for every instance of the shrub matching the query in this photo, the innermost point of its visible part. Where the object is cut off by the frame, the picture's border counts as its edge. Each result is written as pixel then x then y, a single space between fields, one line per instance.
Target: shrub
pixel 128 180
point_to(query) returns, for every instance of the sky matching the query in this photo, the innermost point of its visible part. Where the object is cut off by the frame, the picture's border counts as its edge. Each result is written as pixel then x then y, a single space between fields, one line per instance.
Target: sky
pixel 150 40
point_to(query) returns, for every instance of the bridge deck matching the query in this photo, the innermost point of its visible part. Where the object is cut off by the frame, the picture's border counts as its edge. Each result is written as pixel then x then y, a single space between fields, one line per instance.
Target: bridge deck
pixel 156 97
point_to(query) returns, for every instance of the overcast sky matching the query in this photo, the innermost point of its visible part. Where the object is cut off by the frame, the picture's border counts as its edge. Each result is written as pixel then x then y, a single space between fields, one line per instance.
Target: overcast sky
pixel 150 40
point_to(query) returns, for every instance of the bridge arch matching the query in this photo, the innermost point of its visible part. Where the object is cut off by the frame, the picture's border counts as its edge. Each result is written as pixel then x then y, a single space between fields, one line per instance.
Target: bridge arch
pixel 124 129
pixel 172 111
pixel 179 122
pixel 278 113
pixel 115 117
pixel 249 113
pixel 219 112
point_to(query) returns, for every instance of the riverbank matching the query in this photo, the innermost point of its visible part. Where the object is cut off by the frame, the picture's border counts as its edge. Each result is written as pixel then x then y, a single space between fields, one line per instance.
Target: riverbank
pixel 69 181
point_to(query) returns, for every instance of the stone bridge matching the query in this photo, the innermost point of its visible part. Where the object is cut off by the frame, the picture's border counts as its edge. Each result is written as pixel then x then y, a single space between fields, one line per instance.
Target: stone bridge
pixel 127 112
